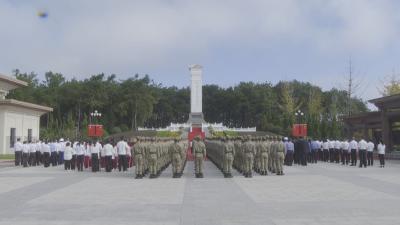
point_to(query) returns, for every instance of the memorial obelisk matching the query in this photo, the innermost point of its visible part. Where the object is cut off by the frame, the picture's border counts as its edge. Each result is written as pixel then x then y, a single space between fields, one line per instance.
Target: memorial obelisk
pixel 196 96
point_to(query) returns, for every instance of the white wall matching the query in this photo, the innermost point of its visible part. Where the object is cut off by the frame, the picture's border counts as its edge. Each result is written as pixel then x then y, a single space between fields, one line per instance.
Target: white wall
pixel 20 119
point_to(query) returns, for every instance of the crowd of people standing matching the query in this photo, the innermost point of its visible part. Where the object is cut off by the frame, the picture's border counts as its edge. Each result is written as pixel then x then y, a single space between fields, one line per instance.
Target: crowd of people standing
pixel 353 152
pixel 75 154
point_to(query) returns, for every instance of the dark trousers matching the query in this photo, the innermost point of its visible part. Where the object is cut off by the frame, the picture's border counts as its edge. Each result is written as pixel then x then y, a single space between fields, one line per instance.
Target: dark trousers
pixel 60 157
pixel 73 162
pixel 108 162
pixel 326 155
pixel 18 158
pixel 38 158
pixel 337 155
pixel 362 154
pixel 320 155
pixel 331 155
pixel 353 157
pixel 370 158
pixel 46 159
pixel 345 157
pixel 54 159
pixel 382 159
pixel 303 158
pixel 79 162
pixel 289 158
pixel 122 162
pixel 95 162
pixel 314 156
pixel 32 158
pixel 67 164
pixel 25 159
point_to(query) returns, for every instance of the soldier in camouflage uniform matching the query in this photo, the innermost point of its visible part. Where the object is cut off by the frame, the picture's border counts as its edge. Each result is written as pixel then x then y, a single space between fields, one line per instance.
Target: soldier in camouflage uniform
pixel 280 156
pixel 272 156
pixel 152 158
pixel 139 155
pixel 264 149
pixel 229 155
pixel 249 151
pixel 175 151
pixel 199 151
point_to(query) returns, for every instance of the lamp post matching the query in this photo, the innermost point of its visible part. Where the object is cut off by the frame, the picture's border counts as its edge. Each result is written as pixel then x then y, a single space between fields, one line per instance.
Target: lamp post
pixel 299 115
pixel 95 115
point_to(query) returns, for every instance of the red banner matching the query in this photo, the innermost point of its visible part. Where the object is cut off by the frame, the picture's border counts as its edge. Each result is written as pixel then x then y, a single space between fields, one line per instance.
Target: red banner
pixel 299 130
pixel 95 130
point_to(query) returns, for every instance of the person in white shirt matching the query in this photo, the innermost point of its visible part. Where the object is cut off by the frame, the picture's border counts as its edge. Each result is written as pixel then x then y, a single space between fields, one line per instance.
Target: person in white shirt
pixel 108 154
pixel 331 151
pixel 38 147
pixel 87 161
pixel 325 147
pixel 68 152
pixel 353 145
pixel 95 151
pixel 25 154
pixel 381 153
pixel 18 152
pixel 345 152
pixel 73 160
pixel 80 155
pixel 337 146
pixel 32 154
pixel 122 148
pixel 62 146
pixel 362 153
pixel 45 149
pixel 370 153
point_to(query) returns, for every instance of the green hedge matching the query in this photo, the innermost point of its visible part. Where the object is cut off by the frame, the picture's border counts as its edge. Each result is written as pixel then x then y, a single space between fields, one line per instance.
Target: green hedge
pixel 7 156
pixel 168 134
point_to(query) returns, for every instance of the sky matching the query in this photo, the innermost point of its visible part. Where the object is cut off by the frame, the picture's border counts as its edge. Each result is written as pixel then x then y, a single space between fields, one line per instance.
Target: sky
pixel 234 40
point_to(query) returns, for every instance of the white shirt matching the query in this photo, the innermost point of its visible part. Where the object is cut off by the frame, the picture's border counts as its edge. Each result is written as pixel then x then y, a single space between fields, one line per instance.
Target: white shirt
pixel 108 150
pixel 80 150
pixel 25 148
pixel 381 149
pixel 338 144
pixel 370 147
pixel 87 149
pixel 331 144
pixel 45 148
pixel 362 145
pixel 95 149
pixel 345 146
pixel 353 145
pixel 18 146
pixel 32 148
pixel 68 153
pixel 62 146
pixel 122 147
pixel 325 145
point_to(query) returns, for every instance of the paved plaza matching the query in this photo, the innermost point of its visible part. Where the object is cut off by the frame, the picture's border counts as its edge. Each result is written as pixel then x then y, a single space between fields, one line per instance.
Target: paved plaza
pixel 317 194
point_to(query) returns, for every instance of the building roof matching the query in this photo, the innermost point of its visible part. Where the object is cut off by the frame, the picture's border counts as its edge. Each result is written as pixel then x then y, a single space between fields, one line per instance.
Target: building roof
pixel 13 102
pixel 391 101
pixel 12 81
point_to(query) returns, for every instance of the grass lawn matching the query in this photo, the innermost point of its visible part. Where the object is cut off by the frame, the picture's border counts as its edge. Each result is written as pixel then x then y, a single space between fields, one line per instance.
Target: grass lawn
pixel 7 156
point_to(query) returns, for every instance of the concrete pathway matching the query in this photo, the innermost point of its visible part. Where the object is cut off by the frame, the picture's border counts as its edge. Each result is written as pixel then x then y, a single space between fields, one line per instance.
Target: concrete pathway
pixel 317 194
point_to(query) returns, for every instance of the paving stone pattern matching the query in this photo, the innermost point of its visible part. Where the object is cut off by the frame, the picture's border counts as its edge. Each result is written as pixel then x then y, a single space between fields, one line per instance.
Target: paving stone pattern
pixel 317 194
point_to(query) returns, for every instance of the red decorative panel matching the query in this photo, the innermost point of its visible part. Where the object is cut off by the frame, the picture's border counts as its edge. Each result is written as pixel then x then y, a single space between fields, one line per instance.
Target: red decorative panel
pixel 95 130
pixel 299 130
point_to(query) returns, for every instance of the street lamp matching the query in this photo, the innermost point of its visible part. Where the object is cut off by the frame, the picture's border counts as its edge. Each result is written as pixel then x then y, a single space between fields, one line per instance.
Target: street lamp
pixel 299 114
pixel 95 115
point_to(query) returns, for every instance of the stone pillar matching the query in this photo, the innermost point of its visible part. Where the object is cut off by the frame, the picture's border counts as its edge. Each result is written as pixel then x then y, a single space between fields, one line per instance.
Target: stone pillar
pixel 386 130
pixel 196 92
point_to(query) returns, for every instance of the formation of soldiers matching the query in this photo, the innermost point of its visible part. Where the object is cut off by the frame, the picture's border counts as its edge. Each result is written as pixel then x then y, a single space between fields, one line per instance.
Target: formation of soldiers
pixel 153 155
pixel 247 154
